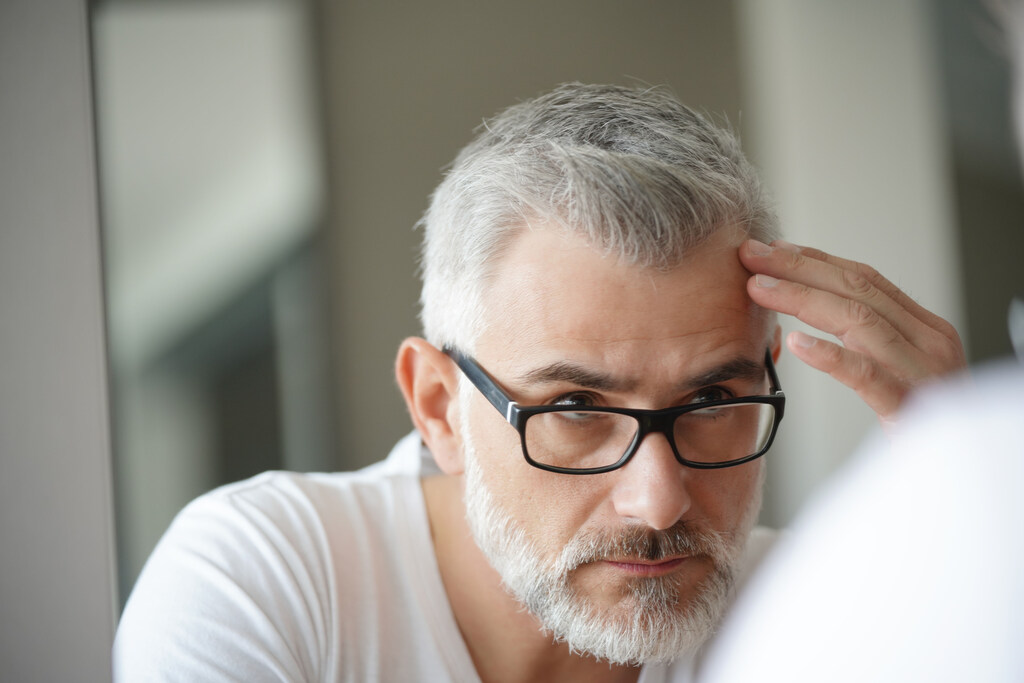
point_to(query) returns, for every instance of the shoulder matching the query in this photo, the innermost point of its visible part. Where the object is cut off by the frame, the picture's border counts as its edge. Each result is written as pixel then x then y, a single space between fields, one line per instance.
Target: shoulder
pixel 286 499
pixel 247 573
pixel 283 518
pixel 277 512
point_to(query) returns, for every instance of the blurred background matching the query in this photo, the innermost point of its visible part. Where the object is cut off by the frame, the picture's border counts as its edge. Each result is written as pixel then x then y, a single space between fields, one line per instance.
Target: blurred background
pixel 262 163
pixel 207 254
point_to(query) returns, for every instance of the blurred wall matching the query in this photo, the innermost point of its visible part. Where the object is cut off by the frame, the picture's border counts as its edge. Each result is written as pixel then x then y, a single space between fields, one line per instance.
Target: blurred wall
pixel 211 188
pixel 972 54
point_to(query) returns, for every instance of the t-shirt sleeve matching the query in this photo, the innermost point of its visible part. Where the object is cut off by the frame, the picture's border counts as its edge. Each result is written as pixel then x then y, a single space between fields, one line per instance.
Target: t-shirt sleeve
pixel 238 589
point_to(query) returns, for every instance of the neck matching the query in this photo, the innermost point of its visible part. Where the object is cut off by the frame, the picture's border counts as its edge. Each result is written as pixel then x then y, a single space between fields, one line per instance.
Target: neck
pixel 504 640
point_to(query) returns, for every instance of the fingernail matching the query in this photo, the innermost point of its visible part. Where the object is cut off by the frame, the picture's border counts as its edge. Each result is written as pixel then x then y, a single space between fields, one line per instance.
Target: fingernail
pixel 804 341
pixel 786 246
pixel 765 280
pixel 758 248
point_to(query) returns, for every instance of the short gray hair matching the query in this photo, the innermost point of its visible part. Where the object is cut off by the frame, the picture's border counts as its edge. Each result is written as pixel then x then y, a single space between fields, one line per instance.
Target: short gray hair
pixel 632 170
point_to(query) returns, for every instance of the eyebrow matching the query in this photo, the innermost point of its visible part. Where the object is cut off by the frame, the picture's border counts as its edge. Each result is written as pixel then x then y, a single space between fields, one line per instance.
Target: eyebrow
pixel 567 372
pixel 738 368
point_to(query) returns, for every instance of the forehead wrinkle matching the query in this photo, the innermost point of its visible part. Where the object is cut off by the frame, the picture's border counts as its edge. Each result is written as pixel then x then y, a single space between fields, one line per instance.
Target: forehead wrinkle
pixel 647 339
pixel 584 374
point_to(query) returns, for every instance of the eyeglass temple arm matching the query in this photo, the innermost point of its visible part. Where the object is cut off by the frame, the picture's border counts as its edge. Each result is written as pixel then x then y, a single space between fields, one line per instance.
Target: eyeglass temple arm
pixel 773 377
pixel 482 381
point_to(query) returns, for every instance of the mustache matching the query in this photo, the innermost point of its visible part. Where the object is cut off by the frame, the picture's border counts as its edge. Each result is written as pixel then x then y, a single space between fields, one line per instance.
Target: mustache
pixel 644 543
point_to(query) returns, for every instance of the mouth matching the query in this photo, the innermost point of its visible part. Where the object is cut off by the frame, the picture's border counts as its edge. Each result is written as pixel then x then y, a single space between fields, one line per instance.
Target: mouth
pixel 638 567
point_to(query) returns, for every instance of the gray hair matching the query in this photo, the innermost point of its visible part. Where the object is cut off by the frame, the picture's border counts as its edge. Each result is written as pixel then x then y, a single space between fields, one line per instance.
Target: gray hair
pixel 632 170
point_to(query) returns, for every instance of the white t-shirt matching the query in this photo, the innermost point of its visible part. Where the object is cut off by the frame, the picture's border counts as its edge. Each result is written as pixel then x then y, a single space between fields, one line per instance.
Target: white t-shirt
pixel 307 577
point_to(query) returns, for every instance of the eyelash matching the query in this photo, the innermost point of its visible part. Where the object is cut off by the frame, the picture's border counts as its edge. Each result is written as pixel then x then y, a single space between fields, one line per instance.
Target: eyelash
pixel 588 399
pixel 567 399
pixel 721 394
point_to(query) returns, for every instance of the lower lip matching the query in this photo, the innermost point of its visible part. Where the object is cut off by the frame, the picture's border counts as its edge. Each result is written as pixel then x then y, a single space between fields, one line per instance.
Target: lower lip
pixel 656 569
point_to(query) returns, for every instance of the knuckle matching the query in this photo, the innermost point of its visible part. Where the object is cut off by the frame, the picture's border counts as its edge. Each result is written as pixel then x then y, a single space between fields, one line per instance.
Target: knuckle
pixel 946 329
pixel 894 338
pixel 792 260
pixel 860 314
pixel 857 283
pixel 803 293
pixel 945 353
pixel 831 354
pixel 869 371
pixel 869 273
pixel 936 347
pixel 811 252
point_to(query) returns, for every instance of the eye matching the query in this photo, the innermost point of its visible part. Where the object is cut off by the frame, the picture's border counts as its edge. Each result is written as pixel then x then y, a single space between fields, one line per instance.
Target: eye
pixel 582 400
pixel 577 398
pixel 708 394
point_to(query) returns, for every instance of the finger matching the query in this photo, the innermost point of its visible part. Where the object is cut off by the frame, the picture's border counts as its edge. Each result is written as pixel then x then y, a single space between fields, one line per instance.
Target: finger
pixel 874 384
pixel 929 333
pixel 877 280
pixel 941 342
pixel 857 325
pixel 872 276
pixel 846 283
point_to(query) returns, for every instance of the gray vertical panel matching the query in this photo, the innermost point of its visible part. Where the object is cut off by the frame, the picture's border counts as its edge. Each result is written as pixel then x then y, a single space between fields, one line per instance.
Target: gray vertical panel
pixel 56 587
pixel 986 173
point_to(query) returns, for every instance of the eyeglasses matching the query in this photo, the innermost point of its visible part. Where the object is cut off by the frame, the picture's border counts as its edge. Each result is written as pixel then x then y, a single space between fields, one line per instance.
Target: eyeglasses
pixel 573 439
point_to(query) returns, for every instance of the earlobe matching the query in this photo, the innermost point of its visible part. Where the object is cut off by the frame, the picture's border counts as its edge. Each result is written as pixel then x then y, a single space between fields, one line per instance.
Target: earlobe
pixel 429 385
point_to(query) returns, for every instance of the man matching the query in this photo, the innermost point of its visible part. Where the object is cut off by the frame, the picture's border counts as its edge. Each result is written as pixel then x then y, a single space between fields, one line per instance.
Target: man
pixel 596 388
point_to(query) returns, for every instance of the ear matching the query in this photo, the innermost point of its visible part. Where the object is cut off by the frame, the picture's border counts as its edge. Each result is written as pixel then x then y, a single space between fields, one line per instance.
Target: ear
pixel 429 384
pixel 776 344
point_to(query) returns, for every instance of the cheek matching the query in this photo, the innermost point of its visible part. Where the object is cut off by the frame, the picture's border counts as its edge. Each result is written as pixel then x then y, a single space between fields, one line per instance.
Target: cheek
pixel 549 507
pixel 726 495
pixel 495 441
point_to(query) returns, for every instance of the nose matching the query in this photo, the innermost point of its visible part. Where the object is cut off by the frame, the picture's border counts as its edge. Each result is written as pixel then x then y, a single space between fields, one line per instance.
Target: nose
pixel 652 486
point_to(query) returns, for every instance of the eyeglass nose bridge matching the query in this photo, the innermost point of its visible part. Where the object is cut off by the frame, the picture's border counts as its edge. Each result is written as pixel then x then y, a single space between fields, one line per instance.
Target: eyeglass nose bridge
pixel 653 424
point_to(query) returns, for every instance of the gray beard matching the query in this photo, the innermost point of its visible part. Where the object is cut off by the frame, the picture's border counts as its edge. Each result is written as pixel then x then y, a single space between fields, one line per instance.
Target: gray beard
pixel 650 623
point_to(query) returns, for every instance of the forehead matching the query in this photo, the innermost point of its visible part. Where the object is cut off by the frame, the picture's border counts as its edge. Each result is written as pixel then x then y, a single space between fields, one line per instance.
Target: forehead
pixel 553 297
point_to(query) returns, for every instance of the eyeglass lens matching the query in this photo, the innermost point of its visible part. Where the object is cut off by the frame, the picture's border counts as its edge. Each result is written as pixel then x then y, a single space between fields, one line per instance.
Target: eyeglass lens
pixel 582 439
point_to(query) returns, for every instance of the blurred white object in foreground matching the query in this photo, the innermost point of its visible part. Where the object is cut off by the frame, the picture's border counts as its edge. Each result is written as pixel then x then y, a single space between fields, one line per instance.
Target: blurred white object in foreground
pixel 910 565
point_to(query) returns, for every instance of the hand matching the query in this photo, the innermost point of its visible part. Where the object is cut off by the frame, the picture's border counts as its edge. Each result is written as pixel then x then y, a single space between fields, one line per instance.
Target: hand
pixel 890 344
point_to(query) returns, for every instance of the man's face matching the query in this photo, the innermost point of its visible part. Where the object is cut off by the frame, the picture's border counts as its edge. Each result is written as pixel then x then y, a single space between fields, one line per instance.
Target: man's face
pixel 653 538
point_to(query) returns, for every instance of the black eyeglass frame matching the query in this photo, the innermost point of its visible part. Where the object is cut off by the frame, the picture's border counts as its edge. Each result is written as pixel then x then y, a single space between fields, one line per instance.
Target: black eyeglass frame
pixel 660 421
